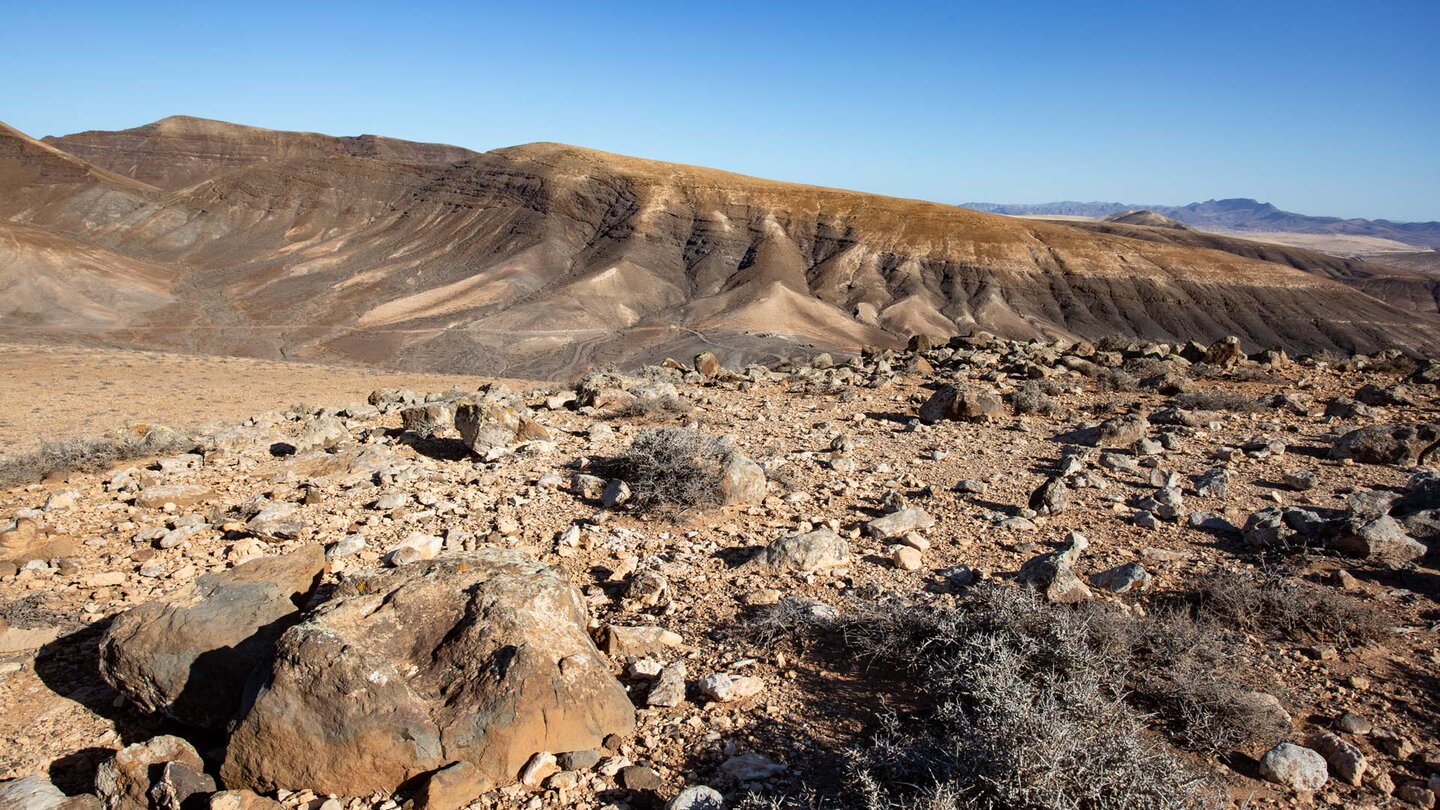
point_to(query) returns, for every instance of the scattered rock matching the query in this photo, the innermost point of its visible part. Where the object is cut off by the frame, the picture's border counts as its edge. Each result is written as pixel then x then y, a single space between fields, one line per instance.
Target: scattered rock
pixel 723 688
pixel 1345 759
pixel 807 552
pixel 123 782
pixel 1388 444
pixel 699 797
pixel 899 522
pixel 959 404
pixel 1123 578
pixel 1052 574
pixel 179 785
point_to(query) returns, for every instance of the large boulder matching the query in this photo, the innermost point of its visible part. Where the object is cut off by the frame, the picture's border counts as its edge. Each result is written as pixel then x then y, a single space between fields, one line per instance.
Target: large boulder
pixel 489 425
pixel 479 657
pixel 1119 431
pixel 742 480
pixel 961 405
pixel 1225 352
pixel 189 656
pixel 429 419
pixel 1389 444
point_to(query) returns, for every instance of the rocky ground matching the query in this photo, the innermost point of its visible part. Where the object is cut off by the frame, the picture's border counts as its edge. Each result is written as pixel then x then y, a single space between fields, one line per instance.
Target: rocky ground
pixel 496 619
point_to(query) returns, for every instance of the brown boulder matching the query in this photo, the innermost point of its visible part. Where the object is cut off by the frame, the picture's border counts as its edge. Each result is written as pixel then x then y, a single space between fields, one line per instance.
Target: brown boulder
pixel 428 420
pixel 480 657
pixel 708 364
pixel 1389 444
pixel 189 656
pixel 1225 352
pixel 489 425
pixel 961 405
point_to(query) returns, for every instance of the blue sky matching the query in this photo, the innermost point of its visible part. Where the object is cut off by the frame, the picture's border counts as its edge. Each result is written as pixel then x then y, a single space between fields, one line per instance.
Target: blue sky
pixel 1322 108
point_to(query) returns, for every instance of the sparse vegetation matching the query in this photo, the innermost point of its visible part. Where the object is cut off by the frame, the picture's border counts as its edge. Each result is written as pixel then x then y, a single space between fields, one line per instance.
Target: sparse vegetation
pixel 1217 401
pixel 90 454
pixel 673 468
pixel 1116 380
pixel 649 407
pixel 1272 604
pixel 1032 397
pixel 1033 705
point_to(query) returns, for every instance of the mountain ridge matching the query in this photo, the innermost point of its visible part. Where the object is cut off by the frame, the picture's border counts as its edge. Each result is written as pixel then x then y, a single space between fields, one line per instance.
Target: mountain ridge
pixel 545 259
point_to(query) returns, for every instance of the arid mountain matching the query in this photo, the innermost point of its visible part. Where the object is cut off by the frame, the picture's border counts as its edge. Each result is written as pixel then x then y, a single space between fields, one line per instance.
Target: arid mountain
pixel 1391 279
pixel 180 151
pixel 540 260
pixel 1147 218
pixel 1238 214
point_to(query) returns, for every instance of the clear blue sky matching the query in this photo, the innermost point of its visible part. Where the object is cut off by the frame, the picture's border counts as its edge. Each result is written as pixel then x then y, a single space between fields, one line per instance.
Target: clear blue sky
pixel 1319 107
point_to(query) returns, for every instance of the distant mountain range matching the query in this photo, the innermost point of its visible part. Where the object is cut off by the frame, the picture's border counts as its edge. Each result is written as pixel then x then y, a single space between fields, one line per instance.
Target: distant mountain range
pixel 1238 214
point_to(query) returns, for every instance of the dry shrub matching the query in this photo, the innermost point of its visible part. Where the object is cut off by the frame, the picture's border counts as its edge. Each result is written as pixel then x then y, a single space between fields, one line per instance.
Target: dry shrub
pixel 1217 401
pixel 650 407
pixel 1274 605
pixel 1034 705
pixel 90 454
pixel 673 468
pixel 1115 380
pixel 1032 397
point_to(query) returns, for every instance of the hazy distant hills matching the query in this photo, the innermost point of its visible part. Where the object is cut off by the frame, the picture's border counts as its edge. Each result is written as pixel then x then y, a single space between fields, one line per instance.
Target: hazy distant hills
pixel 1238 214
pixel 540 260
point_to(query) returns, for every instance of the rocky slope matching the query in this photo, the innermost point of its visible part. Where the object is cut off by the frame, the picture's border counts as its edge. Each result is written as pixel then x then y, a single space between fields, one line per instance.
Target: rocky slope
pixel 180 151
pixel 541 260
pixel 509 627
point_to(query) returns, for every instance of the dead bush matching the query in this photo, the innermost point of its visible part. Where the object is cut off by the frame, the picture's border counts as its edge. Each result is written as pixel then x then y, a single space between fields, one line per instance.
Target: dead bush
pixel 1217 401
pixel 1272 604
pixel 1116 380
pixel 1033 398
pixel 650 407
pixel 672 468
pixel 90 454
pixel 1026 704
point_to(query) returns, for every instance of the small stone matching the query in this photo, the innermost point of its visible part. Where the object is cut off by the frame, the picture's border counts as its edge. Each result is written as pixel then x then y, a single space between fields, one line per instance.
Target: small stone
pixel 639 777
pixel 905 558
pixel 723 688
pixel 579 760
pixel 669 688
pixel 1353 724
pixel 1300 480
pixel 1345 759
pixel 699 797
pixel 1417 795
pixel 540 766
pixel 1123 578
pixel 898 523
pixel 452 787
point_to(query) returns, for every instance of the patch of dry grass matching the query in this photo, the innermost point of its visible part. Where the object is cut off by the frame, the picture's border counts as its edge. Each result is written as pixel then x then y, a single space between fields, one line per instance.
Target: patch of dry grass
pixel 90 454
